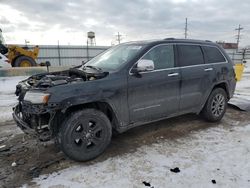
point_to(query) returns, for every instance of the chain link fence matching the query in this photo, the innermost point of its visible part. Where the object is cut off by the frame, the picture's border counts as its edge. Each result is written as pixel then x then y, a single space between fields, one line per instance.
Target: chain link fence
pixel 239 56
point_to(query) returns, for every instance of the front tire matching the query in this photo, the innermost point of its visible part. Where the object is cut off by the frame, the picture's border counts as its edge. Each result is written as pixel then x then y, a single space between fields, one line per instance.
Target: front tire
pixel 215 106
pixel 85 134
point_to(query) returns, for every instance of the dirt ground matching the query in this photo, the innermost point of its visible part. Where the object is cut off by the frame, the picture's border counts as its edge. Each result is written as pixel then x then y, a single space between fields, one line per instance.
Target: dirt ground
pixel 24 158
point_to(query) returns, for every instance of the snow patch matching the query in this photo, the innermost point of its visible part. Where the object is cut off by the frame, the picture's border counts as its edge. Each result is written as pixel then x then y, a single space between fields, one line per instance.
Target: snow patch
pixel 213 154
pixel 8 98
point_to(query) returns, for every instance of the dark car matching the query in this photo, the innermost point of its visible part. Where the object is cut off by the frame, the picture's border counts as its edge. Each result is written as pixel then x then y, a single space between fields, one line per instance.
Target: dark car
pixel 128 85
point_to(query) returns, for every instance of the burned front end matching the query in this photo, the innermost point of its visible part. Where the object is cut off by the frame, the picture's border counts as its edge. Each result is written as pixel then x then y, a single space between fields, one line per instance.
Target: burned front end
pixel 34 113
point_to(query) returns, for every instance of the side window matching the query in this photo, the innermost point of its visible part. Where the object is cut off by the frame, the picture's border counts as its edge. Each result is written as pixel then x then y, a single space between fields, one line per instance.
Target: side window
pixel 190 55
pixel 162 56
pixel 213 55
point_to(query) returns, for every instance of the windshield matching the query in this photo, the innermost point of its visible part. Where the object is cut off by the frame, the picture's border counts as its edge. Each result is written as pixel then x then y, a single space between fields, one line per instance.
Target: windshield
pixel 115 57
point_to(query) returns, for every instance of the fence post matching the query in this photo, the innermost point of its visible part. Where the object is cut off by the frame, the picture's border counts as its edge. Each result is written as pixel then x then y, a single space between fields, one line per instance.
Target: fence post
pixel 87 50
pixel 59 55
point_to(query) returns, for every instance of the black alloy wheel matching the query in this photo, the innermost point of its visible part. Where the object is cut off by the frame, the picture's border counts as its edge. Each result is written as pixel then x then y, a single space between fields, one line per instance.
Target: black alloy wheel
pixel 85 134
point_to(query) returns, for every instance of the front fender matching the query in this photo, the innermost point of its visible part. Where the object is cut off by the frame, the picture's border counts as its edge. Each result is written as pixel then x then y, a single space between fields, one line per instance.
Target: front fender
pixel 83 99
pixel 80 100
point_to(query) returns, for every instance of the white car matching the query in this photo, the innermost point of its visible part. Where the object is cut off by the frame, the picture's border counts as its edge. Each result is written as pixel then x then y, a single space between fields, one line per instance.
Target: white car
pixel 4 62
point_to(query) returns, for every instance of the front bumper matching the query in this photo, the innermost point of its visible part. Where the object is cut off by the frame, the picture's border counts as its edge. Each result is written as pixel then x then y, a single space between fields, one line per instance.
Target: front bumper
pixel 17 116
pixel 33 123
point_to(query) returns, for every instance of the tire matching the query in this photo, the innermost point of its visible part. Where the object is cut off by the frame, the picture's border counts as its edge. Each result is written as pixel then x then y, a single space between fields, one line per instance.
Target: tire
pixel 215 106
pixel 24 61
pixel 85 134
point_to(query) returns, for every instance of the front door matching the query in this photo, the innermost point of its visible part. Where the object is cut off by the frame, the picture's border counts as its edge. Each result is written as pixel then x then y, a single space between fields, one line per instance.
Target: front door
pixel 155 94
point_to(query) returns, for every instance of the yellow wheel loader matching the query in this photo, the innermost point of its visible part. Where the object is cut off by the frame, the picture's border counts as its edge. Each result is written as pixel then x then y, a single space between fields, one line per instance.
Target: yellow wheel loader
pixel 18 56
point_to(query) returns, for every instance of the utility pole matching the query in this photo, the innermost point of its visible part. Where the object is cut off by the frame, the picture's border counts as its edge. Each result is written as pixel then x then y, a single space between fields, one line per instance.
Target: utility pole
pixel 59 53
pixel 186 29
pixel 238 35
pixel 87 49
pixel 119 38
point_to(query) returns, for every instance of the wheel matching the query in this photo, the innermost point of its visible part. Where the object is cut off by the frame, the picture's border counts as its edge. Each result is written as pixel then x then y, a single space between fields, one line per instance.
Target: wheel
pixel 24 61
pixel 85 134
pixel 215 106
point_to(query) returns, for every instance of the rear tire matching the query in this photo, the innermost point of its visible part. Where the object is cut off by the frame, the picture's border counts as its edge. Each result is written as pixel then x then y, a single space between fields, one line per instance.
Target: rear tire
pixel 24 61
pixel 215 106
pixel 85 134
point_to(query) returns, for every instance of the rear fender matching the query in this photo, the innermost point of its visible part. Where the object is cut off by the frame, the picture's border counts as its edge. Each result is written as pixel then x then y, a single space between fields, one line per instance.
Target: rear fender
pixel 223 85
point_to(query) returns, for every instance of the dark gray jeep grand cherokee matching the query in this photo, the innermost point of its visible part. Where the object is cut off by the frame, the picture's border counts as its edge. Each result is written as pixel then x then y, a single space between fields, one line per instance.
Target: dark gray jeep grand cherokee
pixel 128 85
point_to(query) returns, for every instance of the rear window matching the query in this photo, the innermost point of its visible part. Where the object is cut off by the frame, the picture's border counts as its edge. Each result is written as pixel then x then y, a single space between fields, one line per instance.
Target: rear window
pixel 213 55
pixel 190 55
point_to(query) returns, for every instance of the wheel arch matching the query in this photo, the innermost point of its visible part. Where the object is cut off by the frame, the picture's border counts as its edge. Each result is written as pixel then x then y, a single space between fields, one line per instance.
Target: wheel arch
pixel 222 85
pixel 103 106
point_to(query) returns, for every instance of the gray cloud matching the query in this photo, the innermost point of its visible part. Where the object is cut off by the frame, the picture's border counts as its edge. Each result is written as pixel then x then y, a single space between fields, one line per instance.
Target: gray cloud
pixel 137 19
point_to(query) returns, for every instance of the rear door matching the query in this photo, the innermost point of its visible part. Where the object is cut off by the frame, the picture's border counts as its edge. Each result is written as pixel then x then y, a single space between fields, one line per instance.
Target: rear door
pixel 222 71
pixel 195 77
pixel 155 94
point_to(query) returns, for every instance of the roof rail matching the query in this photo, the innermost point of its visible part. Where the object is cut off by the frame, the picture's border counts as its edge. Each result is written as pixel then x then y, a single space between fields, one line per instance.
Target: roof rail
pixel 169 38
pixel 208 41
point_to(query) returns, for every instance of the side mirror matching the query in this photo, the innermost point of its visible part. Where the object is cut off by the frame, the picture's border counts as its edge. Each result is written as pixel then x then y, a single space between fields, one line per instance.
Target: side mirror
pixel 144 65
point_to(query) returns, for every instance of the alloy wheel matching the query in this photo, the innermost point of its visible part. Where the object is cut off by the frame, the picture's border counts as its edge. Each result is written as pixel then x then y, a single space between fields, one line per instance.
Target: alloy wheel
pixel 218 105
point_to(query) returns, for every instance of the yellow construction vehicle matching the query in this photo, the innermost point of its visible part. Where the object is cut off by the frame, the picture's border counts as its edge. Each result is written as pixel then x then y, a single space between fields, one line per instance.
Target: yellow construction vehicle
pixel 18 56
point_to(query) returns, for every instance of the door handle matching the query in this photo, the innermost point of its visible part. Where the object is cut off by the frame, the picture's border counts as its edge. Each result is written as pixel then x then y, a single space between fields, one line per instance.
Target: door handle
pixel 208 69
pixel 173 74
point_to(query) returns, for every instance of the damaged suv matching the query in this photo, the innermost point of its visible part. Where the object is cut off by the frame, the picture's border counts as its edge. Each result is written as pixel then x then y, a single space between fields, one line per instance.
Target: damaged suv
pixel 128 85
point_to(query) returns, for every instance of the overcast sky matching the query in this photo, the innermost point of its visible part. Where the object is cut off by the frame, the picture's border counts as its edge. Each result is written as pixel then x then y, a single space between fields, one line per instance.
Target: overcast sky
pixel 47 21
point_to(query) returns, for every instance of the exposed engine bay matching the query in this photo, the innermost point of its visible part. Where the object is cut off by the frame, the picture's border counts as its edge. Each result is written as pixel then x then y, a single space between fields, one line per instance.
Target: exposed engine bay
pixel 46 80
pixel 64 77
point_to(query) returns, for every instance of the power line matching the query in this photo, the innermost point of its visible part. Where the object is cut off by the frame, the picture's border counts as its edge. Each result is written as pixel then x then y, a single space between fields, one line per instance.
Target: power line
pixel 238 35
pixel 185 34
